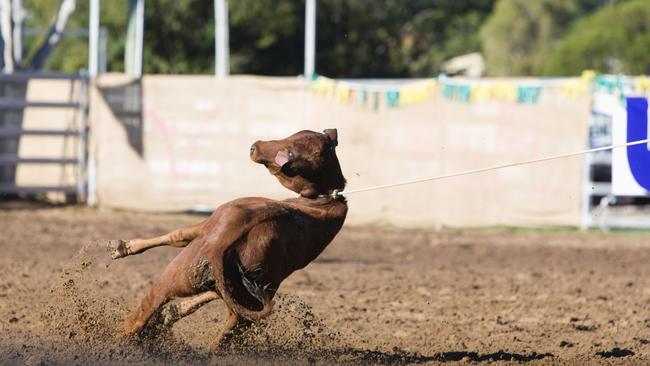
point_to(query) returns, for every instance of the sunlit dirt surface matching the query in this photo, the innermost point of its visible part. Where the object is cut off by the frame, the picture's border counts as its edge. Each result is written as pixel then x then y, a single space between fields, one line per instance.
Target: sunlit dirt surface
pixel 377 295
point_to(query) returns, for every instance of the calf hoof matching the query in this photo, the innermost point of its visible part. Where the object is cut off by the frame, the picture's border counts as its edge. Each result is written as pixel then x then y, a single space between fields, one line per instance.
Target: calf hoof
pixel 220 347
pixel 130 328
pixel 120 248
pixel 169 315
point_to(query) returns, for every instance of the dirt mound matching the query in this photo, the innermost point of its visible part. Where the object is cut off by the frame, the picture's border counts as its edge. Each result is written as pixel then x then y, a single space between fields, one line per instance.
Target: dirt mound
pixel 84 314
pixel 293 328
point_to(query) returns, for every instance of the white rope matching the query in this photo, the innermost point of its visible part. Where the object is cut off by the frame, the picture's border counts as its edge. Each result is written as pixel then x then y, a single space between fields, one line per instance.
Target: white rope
pixel 475 171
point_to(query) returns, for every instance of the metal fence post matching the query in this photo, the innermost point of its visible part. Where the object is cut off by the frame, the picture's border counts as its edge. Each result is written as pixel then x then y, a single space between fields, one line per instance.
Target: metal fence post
pixel 221 39
pixel 310 39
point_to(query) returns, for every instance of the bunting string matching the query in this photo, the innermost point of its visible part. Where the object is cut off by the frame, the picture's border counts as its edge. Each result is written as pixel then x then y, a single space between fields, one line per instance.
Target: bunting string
pixel 392 94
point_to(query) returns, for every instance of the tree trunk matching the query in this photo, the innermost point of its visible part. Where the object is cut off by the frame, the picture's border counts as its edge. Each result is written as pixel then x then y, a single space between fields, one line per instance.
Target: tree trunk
pixel 18 16
pixel 54 34
pixel 7 38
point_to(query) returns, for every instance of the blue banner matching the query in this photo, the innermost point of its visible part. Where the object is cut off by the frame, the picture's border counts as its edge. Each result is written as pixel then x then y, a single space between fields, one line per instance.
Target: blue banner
pixel 637 129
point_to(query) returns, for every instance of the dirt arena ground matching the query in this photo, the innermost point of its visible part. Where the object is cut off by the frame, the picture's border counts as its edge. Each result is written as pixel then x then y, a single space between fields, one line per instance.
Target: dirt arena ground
pixel 375 296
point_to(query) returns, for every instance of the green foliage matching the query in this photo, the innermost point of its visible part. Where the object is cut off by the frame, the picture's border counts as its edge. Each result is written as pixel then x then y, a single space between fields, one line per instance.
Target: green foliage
pixel 615 39
pixel 361 38
pixel 519 34
pixel 71 54
pixel 367 38
pixel 179 37
pixel 356 38
pixel 266 36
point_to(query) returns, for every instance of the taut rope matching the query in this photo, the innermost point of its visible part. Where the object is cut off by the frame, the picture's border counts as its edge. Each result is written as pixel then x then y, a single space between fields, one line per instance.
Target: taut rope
pixel 496 167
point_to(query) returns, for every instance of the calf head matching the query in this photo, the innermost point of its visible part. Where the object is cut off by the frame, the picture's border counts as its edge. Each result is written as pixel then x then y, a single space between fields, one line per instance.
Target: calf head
pixel 304 162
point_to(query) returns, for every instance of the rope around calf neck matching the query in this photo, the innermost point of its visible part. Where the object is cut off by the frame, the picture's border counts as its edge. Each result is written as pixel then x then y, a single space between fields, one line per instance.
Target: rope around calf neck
pixel 496 167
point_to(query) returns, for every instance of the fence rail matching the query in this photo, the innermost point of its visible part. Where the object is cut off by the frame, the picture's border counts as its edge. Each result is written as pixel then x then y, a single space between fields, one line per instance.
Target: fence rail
pixel 15 189
pixel 80 131
pixel 13 103
pixel 17 132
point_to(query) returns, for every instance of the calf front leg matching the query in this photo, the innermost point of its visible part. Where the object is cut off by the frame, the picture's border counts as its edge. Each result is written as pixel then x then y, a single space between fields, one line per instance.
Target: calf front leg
pixel 176 281
pixel 177 238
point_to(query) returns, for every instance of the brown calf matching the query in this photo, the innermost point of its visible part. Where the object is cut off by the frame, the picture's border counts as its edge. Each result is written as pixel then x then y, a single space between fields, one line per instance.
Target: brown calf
pixel 248 246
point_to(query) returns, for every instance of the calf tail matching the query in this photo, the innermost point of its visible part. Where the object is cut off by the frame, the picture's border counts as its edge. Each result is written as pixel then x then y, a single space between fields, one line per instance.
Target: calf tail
pixel 238 286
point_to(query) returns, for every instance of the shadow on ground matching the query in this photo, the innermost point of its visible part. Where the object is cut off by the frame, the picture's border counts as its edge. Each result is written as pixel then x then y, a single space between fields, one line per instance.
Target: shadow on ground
pixel 398 357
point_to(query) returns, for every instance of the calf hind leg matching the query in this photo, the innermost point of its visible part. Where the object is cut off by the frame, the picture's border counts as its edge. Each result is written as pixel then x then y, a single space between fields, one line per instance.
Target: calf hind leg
pixel 235 326
pixel 171 313
pixel 177 238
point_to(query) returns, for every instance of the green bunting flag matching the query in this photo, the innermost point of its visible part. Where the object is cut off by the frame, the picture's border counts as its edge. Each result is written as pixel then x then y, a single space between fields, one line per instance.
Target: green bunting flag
pixel 528 94
pixel 476 91
pixel 392 99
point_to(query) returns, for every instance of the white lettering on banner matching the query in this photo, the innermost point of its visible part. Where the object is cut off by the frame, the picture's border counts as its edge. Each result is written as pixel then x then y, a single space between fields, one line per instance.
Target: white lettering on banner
pixel 473 137
pixel 188 185
pixel 204 105
pixel 195 142
pixel 185 167
pixel 489 109
pixel 260 109
pixel 270 129
pixel 420 138
pixel 203 127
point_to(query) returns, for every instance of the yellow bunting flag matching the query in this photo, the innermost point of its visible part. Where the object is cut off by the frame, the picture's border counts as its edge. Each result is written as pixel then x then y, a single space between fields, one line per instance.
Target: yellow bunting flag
pixel 342 93
pixel 481 93
pixel 324 86
pixel 642 84
pixel 411 94
pixel 504 91
pixel 577 88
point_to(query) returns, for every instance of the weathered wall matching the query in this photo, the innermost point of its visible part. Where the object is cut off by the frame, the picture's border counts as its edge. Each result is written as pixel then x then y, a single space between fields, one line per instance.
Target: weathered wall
pixel 185 143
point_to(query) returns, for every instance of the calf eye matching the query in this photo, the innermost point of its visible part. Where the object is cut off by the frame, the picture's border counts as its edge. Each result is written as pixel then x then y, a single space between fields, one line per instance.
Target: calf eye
pixel 290 155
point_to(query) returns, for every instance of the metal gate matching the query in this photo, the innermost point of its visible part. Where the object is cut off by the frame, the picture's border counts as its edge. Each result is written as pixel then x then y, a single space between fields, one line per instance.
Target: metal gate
pixel 11 133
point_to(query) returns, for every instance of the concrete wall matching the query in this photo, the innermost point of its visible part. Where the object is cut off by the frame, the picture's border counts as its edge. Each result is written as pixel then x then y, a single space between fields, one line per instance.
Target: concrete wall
pixel 176 142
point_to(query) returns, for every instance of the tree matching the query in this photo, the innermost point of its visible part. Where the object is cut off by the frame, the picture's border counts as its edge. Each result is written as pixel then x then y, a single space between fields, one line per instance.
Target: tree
pixel 356 38
pixel 615 39
pixel 266 36
pixel 12 15
pixel 520 34
pixel 179 37
pixel 71 53
pixel 392 38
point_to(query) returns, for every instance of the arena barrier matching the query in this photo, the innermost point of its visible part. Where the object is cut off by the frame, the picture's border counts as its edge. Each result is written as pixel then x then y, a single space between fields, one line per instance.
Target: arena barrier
pixel 43 134
pixel 169 143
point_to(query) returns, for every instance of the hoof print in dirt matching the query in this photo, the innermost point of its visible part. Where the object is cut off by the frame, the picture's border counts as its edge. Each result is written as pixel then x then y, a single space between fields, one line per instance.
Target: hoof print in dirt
pixel 642 340
pixel 585 327
pixel 566 344
pixel 616 352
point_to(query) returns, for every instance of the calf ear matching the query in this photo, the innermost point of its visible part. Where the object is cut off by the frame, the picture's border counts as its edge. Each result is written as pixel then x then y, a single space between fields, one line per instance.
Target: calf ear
pixel 332 135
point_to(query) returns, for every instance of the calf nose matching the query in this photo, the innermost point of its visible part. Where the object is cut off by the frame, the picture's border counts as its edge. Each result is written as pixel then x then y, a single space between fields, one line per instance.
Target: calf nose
pixel 255 151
